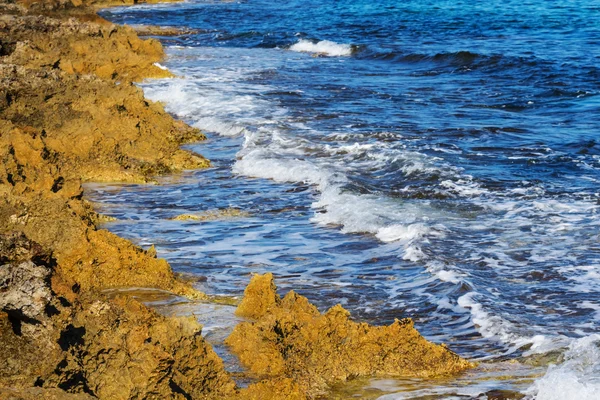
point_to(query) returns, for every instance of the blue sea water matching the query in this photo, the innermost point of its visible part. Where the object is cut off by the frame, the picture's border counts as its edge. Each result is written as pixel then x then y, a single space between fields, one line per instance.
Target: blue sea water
pixel 432 159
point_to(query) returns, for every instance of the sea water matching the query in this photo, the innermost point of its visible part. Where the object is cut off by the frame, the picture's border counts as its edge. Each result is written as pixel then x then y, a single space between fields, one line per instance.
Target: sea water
pixel 429 159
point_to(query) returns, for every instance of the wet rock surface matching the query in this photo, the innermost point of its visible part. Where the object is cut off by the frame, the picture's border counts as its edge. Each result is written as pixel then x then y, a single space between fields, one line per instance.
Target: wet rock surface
pixel 290 338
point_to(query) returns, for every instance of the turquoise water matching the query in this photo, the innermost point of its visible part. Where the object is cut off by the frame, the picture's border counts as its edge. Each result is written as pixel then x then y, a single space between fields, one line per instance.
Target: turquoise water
pixel 435 159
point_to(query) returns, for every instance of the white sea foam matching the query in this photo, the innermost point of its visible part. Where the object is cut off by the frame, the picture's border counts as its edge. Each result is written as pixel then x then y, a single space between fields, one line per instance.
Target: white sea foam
pixel 260 164
pixel 399 232
pixel 413 253
pixel 447 275
pixel 575 378
pixel 496 328
pixel 160 66
pixel 283 149
pixel 464 187
pixel 324 47
pixel 584 278
pixel 216 101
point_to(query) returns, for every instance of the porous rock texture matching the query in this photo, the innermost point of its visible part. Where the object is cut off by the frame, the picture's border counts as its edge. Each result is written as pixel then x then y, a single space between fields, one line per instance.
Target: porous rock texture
pixel 60 127
pixel 69 114
pixel 290 338
pixel 86 344
pixel 37 393
pixel 24 271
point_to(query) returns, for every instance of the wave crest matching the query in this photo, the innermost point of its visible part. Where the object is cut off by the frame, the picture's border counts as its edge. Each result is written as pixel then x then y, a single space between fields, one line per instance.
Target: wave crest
pixel 324 47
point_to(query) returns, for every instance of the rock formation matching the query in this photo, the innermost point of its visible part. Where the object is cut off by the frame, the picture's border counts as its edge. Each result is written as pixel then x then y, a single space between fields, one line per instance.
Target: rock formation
pixel 290 338
pixel 69 114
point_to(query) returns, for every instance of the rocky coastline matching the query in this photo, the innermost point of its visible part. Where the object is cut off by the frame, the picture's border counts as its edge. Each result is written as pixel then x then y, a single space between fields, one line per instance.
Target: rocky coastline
pixel 70 113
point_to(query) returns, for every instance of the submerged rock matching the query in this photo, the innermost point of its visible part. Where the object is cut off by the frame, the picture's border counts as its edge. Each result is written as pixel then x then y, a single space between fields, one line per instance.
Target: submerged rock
pixel 155 30
pixel 212 215
pixel 290 338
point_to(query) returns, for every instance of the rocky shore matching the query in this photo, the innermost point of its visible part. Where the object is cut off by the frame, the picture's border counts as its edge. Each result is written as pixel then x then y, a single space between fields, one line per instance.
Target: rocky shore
pixel 69 114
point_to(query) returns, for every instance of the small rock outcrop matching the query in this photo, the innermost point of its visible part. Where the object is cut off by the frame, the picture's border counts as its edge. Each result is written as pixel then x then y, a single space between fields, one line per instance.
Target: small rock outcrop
pixel 37 393
pixel 290 338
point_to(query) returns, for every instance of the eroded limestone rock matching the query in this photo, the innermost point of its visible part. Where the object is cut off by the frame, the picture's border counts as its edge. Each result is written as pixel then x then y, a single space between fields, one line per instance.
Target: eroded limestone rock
pixel 111 349
pixel 68 113
pixel 25 272
pixel 120 349
pixel 59 126
pixel 290 338
pixel 24 289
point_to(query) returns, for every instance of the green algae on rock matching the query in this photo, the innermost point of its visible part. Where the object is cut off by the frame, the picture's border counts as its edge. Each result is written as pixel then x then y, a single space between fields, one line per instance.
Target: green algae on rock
pixel 290 338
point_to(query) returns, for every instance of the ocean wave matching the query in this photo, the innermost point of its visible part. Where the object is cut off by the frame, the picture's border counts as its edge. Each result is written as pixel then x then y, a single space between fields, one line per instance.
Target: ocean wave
pixel 324 47
pixel 463 58
pixel 576 377
pixel 258 164
pixel 496 328
pixel 458 57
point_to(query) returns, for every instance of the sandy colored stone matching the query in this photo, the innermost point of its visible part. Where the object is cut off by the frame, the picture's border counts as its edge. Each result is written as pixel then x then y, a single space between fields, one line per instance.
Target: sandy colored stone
pixel 81 47
pixel 126 351
pixel 115 349
pixel 212 215
pixel 259 296
pixel 113 133
pixel 58 129
pixel 290 338
pixel 155 30
pixel 111 349
pixel 68 113
pixel 274 389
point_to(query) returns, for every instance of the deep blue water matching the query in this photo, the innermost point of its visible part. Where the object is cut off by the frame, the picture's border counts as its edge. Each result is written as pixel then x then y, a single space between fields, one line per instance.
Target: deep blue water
pixel 431 159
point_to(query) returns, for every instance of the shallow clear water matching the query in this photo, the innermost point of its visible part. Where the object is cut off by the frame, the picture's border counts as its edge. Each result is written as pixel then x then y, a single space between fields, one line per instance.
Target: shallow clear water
pixel 429 159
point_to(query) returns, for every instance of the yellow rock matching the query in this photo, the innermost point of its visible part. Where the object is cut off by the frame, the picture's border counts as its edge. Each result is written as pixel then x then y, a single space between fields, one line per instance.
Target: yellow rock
pixel 289 338
pixel 212 215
